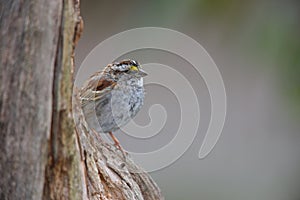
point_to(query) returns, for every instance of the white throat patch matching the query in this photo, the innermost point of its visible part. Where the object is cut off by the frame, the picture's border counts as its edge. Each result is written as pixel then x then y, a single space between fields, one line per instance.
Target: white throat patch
pixel 140 82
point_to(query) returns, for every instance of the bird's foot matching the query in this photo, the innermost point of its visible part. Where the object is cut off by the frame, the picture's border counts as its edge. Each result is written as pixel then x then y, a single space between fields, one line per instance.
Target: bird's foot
pixel 117 144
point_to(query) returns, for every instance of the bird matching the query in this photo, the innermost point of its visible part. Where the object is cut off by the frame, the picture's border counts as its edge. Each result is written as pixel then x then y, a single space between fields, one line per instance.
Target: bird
pixel 112 97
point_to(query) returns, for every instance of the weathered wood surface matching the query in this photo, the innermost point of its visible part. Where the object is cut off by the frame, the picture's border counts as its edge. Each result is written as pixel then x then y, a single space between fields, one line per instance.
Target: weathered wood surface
pixel 64 176
pixel 28 45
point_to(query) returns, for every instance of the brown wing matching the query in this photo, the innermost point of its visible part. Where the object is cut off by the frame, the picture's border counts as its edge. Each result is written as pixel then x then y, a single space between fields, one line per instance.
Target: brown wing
pixel 102 84
pixel 96 88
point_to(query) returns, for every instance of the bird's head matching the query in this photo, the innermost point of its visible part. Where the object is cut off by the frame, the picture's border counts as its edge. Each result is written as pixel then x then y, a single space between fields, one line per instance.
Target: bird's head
pixel 126 69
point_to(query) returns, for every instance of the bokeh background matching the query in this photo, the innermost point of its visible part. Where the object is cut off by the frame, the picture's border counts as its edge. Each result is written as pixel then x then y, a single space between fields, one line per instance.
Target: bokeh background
pixel 256 45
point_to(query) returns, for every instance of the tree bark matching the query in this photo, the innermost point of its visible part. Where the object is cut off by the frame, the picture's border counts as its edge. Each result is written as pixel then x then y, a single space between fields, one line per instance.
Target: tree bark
pixel 42 155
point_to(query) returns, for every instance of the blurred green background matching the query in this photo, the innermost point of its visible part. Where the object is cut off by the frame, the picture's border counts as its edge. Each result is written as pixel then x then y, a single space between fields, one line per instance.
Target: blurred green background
pixel 256 45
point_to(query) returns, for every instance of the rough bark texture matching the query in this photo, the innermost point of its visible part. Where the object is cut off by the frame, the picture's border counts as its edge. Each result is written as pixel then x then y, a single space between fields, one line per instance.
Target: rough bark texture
pixel 64 174
pixel 42 155
pixel 28 45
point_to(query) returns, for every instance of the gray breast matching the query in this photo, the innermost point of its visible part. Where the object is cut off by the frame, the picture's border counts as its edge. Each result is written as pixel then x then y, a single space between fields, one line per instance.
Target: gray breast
pixel 118 107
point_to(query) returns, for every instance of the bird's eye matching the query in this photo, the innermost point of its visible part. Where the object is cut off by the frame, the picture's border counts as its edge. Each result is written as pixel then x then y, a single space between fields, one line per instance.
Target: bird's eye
pixel 134 68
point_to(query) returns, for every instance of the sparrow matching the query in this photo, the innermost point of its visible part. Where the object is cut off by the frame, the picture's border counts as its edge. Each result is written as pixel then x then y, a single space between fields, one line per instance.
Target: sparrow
pixel 112 97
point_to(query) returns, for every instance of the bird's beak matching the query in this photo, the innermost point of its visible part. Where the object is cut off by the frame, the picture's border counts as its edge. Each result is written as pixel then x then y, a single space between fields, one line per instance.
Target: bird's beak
pixel 142 73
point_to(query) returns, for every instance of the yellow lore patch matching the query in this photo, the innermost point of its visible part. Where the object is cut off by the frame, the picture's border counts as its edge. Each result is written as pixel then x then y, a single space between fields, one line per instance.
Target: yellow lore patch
pixel 134 68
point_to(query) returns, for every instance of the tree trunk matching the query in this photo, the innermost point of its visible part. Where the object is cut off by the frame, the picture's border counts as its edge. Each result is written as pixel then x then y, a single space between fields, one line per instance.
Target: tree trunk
pixel 42 155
